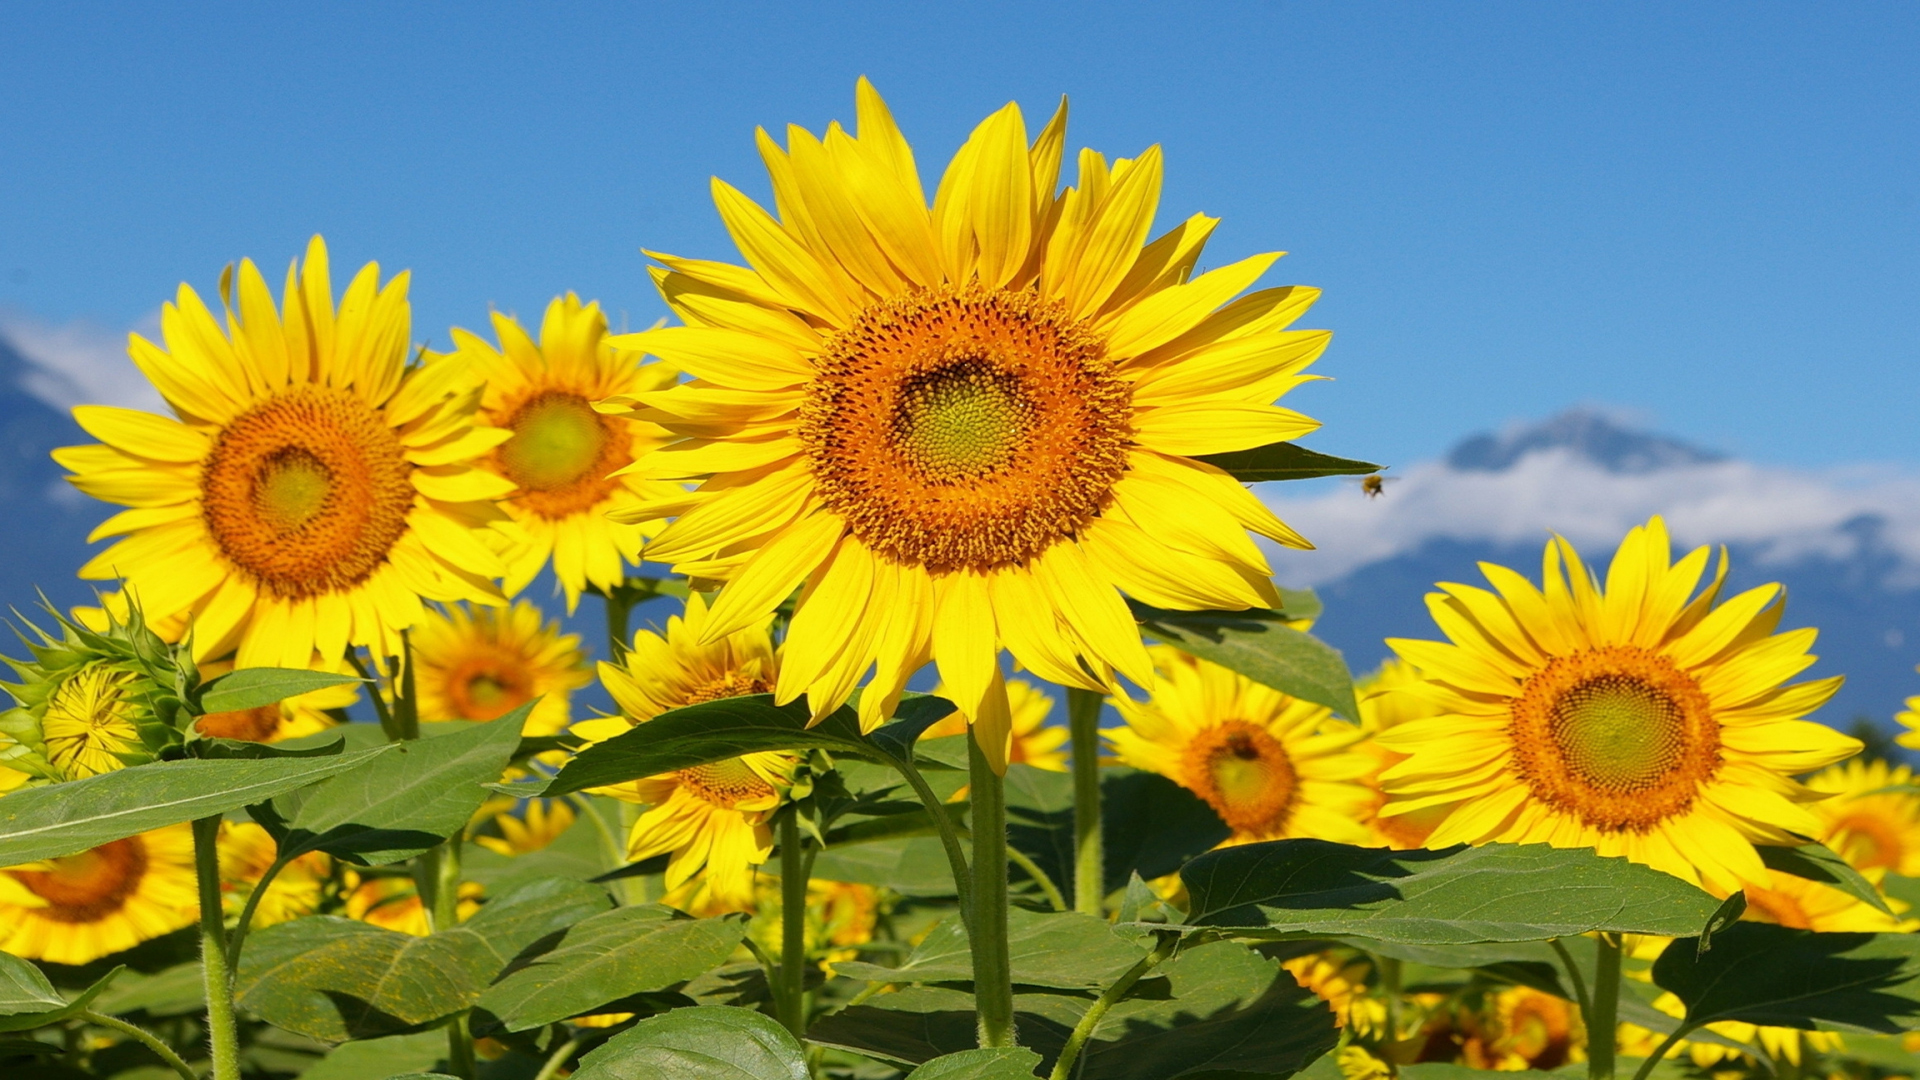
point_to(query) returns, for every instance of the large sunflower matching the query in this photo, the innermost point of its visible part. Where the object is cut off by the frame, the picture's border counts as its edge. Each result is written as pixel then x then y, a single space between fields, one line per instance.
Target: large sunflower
pixel 712 817
pixel 566 460
pixel 310 487
pixel 483 663
pixel 1638 718
pixel 1272 766
pixel 970 426
pixel 78 908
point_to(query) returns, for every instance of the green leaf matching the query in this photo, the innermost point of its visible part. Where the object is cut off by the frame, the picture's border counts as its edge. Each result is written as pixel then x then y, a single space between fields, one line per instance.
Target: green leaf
pixel 1149 825
pixel 24 989
pixel 1059 949
pixel 250 688
pixel 407 801
pixel 336 979
pixel 522 915
pixel 21 990
pixel 60 819
pixel 912 866
pixel 380 1057
pixel 613 955
pixel 717 730
pixel 1001 1063
pixel 1455 896
pixel 1763 974
pixel 705 1042
pixel 1258 644
pixel 1285 461
pixel 27 1048
pixel 1214 1010
pixel 176 991
pixel 1817 862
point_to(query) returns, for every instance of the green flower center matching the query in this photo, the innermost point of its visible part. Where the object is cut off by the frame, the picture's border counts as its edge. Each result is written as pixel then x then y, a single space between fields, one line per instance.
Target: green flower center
pixel 962 421
pixel 292 488
pixel 557 438
pixel 1619 732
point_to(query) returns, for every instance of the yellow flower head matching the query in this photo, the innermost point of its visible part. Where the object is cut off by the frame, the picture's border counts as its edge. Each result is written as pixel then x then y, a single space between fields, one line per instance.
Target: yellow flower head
pixel 1340 979
pixel 1910 719
pixel 393 901
pixel 565 460
pixel 1389 697
pixel 1871 826
pixel 520 829
pixel 710 817
pixel 1808 905
pixel 1527 1030
pixel 1638 718
pixel 310 487
pixel 1273 767
pixel 483 663
pixel 1033 742
pixel 78 908
pixel 969 426
pixel 246 853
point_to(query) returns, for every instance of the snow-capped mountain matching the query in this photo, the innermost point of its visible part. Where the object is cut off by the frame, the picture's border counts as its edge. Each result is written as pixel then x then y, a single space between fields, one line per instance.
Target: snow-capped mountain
pixel 1845 541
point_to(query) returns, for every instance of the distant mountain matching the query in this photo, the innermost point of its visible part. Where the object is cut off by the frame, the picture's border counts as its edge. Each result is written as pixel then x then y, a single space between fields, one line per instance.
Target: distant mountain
pixel 43 521
pixel 1846 544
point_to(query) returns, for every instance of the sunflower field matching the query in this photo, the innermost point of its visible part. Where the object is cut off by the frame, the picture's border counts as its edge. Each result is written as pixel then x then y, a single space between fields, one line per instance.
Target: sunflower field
pixel 932 486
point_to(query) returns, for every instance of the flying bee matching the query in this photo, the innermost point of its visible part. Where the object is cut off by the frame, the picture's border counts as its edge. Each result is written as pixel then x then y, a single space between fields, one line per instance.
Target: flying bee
pixel 1373 485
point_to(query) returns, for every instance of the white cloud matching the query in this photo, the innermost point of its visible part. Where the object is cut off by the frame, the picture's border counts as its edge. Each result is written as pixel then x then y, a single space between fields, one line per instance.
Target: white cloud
pixel 80 363
pixel 1785 514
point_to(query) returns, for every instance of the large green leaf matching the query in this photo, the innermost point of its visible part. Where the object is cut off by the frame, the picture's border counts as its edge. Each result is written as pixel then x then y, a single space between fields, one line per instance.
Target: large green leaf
pixel 336 979
pixel 1763 974
pixel 250 688
pixel 60 819
pixel 716 730
pixel 23 989
pixel 175 991
pixel 405 801
pixel 1214 1010
pixel 388 1057
pixel 1456 896
pixel 912 866
pixel 1065 950
pixel 1258 644
pixel 613 955
pixel 705 1042
pixel 1000 1063
pixel 1285 461
pixel 1817 862
pixel 524 914
pixel 1149 825
pixel 25 996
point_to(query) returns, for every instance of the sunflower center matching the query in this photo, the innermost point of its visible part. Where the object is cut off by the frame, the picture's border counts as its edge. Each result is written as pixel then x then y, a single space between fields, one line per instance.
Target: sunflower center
pixel 1617 736
pixel 307 491
pixel 731 684
pixel 86 887
pixel 257 724
pixel 966 428
pixel 562 453
pixel 1244 773
pixel 87 725
pixel 487 688
pixel 725 784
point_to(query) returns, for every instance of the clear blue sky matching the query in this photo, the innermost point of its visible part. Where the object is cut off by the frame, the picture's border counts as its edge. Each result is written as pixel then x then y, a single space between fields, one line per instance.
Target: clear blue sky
pixel 1709 214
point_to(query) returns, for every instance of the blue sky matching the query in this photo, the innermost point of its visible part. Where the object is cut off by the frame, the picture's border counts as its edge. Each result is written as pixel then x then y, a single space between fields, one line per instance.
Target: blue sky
pixel 1710 215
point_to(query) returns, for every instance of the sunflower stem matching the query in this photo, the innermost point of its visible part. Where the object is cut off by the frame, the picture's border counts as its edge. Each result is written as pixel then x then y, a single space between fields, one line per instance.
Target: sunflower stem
pixel 146 1038
pixel 222 1030
pixel 1606 1005
pixel 1089 866
pixel 796 864
pixel 238 938
pixel 992 969
pixel 1579 983
pixel 1070 1053
pixel 949 835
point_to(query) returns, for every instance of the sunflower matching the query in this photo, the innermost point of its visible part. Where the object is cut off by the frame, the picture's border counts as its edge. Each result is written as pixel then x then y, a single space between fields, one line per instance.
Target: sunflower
pixel 714 816
pixel 1389 697
pixel 1638 718
pixel 1778 1043
pixel 246 853
pixel 1339 978
pixel 520 827
pixel 1870 825
pixel 78 908
pixel 1527 1030
pixel 565 460
pixel 291 718
pixel 967 427
pixel 1910 719
pixel 310 487
pixel 1032 741
pixel 393 901
pixel 1270 765
pixel 90 700
pixel 483 663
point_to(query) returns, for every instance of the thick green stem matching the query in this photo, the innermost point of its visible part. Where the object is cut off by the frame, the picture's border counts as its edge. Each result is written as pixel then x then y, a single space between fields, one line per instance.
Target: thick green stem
pixel 1090 1020
pixel 949 834
pixel 795 863
pixel 222 1031
pixel 1089 864
pixel 442 865
pixel 146 1038
pixel 1390 987
pixel 992 969
pixel 1606 1004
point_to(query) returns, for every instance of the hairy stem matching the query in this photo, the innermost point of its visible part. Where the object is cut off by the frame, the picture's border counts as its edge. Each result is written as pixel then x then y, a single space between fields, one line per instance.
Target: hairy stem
pixel 1606 1003
pixel 992 968
pixel 795 863
pixel 1082 1031
pixel 146 1038
pixel 949 834
pixel 223 1033
pixel 1089 867
pixel 238 938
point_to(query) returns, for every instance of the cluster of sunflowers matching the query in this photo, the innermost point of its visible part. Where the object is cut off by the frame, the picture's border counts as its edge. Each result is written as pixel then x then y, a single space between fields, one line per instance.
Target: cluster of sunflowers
pixel 994 447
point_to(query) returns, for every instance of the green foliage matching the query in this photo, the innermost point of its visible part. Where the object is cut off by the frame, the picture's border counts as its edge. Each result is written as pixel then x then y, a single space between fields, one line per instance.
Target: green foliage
pixel 1770 975
pixel 28 1000
pixel 1004 1063
pixel 1457 896
pixel 251 688
pixel 1149 825
pixel 1064 950
pixel 1259 645
pixel 706 1042
pixel 1817 862
pixel 1285 461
